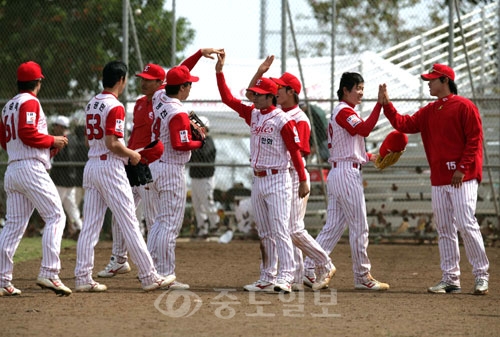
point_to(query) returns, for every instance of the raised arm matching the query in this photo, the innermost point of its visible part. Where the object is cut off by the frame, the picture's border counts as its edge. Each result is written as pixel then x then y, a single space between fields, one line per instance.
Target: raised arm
pixel 263 68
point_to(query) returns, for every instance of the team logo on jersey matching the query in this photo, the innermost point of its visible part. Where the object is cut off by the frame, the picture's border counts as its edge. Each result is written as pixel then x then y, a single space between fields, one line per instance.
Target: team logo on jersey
pixel 30 118
pixel 184 136
pixel 151 115
pixel 353 120
pixel 119 125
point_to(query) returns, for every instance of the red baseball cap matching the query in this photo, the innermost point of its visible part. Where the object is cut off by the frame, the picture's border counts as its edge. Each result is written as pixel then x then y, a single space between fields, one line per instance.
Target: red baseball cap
pixel 288 80
pixel 152 71
pixel 394 142
pixel 437 71
pixel 152 152
pixel 29 71
pixel 265 86
pixel 180 75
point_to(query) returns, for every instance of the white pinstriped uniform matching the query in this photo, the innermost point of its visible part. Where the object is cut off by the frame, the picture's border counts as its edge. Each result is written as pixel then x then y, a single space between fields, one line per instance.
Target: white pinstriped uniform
pixel 143 197
pixel 106 185
pixel 28 186
pixel 169 182
pixel 464 198
pixel 271 195
pixel 302 240
pixel 346 200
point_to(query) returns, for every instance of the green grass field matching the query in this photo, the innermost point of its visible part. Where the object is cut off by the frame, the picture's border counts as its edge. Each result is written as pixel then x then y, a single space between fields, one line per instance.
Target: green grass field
pixel 31 248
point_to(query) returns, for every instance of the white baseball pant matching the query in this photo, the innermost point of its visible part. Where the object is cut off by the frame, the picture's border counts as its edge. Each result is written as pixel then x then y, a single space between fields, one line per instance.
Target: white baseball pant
pixel 454 210
pixel 28 186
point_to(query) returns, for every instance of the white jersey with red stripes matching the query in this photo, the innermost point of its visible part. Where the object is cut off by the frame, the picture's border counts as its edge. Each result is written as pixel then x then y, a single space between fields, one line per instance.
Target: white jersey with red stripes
pixel 164 109
pixel 343 146
pixel 16 149
pixel 97 114
pixel 268 149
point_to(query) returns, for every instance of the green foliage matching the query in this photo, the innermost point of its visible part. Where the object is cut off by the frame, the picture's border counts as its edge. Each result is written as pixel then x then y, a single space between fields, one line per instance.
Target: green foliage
pixel 72 40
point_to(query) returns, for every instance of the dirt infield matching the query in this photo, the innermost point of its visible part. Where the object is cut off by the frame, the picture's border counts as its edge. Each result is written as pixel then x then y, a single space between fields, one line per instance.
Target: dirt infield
pixel 216 304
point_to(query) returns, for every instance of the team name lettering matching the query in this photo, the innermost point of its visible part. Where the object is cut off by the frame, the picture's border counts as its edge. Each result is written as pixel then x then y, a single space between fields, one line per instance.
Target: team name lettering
pixel 263 129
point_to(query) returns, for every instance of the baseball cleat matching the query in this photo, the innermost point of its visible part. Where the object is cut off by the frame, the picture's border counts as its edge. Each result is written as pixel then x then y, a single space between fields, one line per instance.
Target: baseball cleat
pixel 480 287
pixel 114 268
pixel 371 284
pixel 161 283
pixel 9 290
pixel 177 286
pixel 282 286
pixel 444 288
pixel 55 285
pixel 309 280
pixel 260 285
pixel 92 287
pixel 324 280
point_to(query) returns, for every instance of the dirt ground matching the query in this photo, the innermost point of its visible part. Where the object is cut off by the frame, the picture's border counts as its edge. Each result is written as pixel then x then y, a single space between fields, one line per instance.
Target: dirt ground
pixel 216 304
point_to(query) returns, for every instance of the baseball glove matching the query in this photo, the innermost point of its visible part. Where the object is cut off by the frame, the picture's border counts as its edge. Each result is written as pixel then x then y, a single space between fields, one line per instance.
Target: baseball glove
pixel 138 174
pixel 197 126
pixel 389 159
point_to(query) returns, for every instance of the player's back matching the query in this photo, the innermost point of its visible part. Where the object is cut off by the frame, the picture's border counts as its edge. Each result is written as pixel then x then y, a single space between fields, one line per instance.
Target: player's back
pixel 97 112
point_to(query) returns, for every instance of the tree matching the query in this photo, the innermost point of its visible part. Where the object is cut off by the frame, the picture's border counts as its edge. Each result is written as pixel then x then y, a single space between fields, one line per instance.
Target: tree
pixel 72 40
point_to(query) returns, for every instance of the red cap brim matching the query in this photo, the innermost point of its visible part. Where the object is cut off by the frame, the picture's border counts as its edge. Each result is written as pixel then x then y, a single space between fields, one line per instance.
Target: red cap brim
pixel 152 152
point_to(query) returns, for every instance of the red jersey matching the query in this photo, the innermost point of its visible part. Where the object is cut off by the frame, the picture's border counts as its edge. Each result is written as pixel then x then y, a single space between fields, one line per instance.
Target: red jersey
pixel 452 135
pixel 143 119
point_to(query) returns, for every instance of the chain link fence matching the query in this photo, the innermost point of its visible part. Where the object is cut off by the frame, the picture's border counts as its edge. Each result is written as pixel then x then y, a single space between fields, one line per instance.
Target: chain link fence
pixel 315 40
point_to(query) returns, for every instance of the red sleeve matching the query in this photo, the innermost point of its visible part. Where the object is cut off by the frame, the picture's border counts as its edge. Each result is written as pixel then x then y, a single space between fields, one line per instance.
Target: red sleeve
pixel 191 61
pixel 179 127
pixel 474 139
pixel 402 123
pixel 349 120
pixel 304 134
pixel 28 131
pixel 3 142
pixel 292 143
pixel 227 98
pixel 115 122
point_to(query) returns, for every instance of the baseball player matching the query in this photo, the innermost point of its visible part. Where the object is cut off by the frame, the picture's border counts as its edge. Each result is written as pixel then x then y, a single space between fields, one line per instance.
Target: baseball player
pixel 106 185
pixel 452 135
pixel 173 128
pixel 287 98
pixel 23 134
pixel 346 200
pixel 152 79
pixel 273 141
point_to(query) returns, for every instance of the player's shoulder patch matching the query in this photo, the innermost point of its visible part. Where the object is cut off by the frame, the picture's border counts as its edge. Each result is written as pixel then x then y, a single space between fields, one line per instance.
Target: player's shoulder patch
pixel 119 126
pixel 30 118
pixel 353 120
